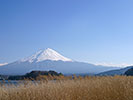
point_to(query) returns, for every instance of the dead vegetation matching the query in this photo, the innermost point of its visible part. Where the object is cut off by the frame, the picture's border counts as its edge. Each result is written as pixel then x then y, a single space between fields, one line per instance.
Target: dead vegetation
pixel 66 88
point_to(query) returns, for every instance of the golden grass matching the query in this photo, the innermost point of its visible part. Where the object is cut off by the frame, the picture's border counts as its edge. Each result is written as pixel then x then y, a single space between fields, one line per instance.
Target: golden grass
pixel 88 88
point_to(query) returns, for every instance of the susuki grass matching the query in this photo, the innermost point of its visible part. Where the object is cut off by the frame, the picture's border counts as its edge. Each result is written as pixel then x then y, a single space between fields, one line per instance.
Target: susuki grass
pixel 87 88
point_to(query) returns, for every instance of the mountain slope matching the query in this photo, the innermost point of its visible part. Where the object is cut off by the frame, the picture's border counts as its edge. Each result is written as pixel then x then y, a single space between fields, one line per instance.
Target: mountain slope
pixel 47 54
pixel 49 59
pixel 115 72
pixel 129 72
pixel 21 68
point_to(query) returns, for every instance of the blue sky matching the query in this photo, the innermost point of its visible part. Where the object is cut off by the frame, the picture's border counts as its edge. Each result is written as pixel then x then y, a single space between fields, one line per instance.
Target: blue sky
pixel 83 30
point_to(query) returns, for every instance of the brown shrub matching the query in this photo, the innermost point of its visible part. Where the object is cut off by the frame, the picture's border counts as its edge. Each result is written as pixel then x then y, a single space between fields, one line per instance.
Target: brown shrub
pixel 87 88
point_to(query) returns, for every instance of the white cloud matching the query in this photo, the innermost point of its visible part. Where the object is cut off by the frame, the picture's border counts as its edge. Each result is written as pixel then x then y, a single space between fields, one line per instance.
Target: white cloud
pixel 3 64
pixel 114 65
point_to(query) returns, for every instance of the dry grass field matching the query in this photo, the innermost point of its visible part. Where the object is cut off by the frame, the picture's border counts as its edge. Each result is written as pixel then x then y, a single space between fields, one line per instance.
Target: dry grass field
pixel 88 88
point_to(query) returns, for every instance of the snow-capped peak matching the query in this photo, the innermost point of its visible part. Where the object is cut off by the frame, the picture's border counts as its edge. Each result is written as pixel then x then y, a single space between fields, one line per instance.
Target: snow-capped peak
pixel 47 54
pixel 3 64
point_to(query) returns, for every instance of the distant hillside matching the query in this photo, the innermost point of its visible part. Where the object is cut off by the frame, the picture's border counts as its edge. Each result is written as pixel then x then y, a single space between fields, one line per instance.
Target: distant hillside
pixel 115 72
pixel 34 75
pixel 129 72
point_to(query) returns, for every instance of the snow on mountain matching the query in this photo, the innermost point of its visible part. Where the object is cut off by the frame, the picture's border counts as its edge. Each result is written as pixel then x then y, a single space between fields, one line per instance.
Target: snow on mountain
pixel 45 60
pixel 3 64
pixel 47 54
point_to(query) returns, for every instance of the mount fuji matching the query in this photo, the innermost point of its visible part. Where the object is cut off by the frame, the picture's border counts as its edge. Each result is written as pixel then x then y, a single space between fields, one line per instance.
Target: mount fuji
pixel 49 59
pixel 47 54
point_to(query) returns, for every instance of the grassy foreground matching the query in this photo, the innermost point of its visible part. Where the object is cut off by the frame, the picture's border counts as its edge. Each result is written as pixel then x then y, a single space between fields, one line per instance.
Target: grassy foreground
pixel 88 88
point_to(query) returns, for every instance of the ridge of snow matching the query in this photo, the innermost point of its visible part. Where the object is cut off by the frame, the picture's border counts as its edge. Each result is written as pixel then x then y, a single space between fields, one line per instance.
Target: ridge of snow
pixel 3 64
pixel 47 54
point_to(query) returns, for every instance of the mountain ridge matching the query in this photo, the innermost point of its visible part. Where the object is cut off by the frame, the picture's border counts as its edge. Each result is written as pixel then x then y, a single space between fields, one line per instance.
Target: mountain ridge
pixel 50 60
pixel 47 54
pixel 120 71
